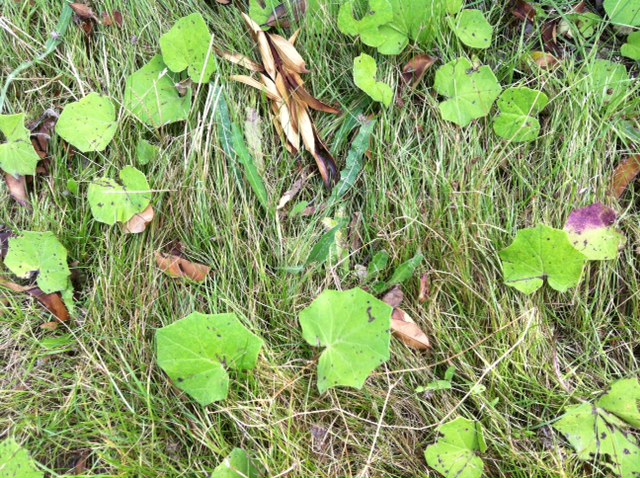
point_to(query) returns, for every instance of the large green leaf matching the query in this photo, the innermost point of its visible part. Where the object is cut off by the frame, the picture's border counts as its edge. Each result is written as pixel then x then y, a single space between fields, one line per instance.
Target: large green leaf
pixel 17 156
pixel 151 95
pixel 623 12
pixel 88 124
pixel 518 108
pixel 237 465
pixel 631 49
pixel 541 253
pixel 15 461
pixel 39 252
pixel 111 202
pixel 471 91
pixel 353 326
pixel 454 454
pixel 473 29
pixel 197 351
pixel 602 430
pixel 592 231
pixel 187 46
pixel 364 76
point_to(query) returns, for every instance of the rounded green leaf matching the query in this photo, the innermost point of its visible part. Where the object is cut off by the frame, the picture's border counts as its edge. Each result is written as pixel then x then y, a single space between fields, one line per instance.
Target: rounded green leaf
pixel 88 124
pixel 623 12
pixel 354 327
pixel 454 454
pixel 379 13
pixel 541 253
pixel 196 352
pixel 15 461
pixel 631 49
pixel 605 81
pixel 473 29
pixel 237 465
pixel 17 156
pixel 151 95
pixel 518 106
pixel 111 202
pixel 592 231
pixel 187 46
pixel 146 152
pixel 364 76
pixel 41 253
pixel 471 91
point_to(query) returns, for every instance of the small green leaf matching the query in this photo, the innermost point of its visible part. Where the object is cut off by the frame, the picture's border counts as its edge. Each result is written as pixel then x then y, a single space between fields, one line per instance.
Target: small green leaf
pixel 473 29
pixel 17 156
pixel 187 46
pixel 41 253
pixel 111 202
pixel 378 264
pixel 541 253
pixel 623 12
pixel 146 152
pixel 454 6
pixel 518 106
pixel 600 430
pixel 354 328
pixel 631 49
pixel 15 461
pixel 88 124
pixel 454 454
pixel 196 352
pixel 374 28
pixel 364 76
pixel 471 91
pixel 605 81
pixel 151 95
pixel 592 231
pixel 322 250
pixel 250 170
pixel 261 14
pixel 72 186
pixel 405 271
pixel 237 465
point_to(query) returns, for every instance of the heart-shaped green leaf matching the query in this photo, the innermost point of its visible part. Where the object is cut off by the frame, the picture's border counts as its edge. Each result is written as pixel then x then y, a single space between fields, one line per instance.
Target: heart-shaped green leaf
pixel 454 454
pixel 518 106
pixel 88 124
pixel 151 95
pixel 623 12
pixel 592 231
pixel 631 49
pixel 17 156
pixel 41 253
pixel 187 46
pixel 471 91
pixel 15 461
pixel 111 202
pixel 541 253
pixel 197 351
pixel 237 465
pixel 364 76
pixel 354 327
pixel 473 29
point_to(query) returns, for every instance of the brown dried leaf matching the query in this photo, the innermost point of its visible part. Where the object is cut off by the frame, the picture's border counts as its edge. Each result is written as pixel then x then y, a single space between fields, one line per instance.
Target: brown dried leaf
pixel 224 2
pixel 405 329
pixel 546 61
pixel 394 297
pixel 550 36
pixel 107 21
pixel 522 10
pixel 252 82
pixel 415 69
pixel 17 189
pixel 117 17
pixel 623 175
pixel 280 17
pixel 178 267
pixel 290 57
pixel 260 37
pixel 52 302
pixel 139 222
pixel 293 192
pixel 326 163
pixel 425 289
pixel 241 60
pixel 83 11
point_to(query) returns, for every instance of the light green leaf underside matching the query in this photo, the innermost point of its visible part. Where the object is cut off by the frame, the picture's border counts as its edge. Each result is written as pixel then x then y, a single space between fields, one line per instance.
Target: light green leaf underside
pixel 353 326
pixel 197 351
pixel 88 124
pixel 111 202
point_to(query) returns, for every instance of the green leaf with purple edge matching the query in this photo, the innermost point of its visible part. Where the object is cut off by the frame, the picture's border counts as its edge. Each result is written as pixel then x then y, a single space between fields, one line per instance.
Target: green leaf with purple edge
pixel 592 231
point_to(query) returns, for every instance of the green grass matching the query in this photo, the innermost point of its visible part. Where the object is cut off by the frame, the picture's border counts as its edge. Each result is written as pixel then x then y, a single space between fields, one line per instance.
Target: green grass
pixel 458 195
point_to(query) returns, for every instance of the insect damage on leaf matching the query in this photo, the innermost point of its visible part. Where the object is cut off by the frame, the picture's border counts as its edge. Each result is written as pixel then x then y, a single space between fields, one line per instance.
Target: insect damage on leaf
pixel 88 124
pixel 592 231
pixel 17 156
pixel 471 91
pixel 601 430
pixel 542 253
pixel 518 107
pixel 473 29
pixel 196 352
pixel 237 464
pixel 454 454
pixel 353 326
pixel 188 46
pixel 151 95
pixel 111 202
pixel 364 76
pixel 15 461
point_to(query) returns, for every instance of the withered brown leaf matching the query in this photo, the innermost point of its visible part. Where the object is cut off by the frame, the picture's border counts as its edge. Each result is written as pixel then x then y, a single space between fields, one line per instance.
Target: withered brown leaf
pixel 178 267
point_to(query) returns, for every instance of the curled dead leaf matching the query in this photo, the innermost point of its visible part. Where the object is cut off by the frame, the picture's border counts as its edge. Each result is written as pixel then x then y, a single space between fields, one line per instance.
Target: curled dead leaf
pixel 178 267
pixel 415 69
pixel 52 302
pixel 425 289
pixel 139 222
pixel 523 10
pixel 41 131
pixel 405 329
pixel 241 60
pixel 288 54
pixel 83 11
pixel 107 21
pixel 394 297
pixel 17 189
pixel 117 17
pixel 623 175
